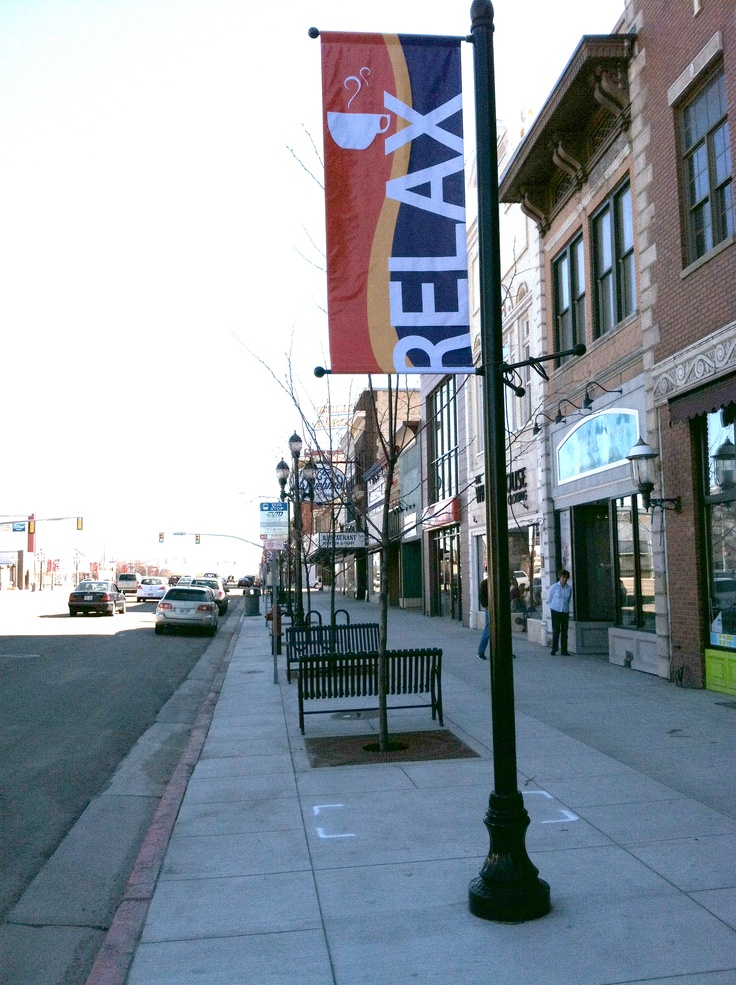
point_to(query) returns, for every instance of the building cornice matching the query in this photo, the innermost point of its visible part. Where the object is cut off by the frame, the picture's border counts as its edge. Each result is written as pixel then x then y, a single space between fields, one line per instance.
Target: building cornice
pixel 585 112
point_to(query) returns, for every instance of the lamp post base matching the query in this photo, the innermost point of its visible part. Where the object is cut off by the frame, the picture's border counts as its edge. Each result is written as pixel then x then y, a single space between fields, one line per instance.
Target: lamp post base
pixel 508 888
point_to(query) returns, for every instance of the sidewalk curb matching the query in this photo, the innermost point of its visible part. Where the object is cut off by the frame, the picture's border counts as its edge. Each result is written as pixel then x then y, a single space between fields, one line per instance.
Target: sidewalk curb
pixel 114 958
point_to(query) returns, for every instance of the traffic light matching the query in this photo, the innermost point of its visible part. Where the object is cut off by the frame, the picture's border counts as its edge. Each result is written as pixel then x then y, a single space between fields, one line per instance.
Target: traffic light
pixel 161 537
pixel 196 538
pixel 80 523
pixel 31 527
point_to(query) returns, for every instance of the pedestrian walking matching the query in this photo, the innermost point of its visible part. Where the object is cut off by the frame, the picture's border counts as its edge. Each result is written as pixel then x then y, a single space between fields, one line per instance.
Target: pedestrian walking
pixel 483 604
pixel 558 599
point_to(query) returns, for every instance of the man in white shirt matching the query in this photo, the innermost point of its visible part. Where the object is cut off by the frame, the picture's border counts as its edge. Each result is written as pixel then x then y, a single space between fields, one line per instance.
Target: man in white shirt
pixel 559 597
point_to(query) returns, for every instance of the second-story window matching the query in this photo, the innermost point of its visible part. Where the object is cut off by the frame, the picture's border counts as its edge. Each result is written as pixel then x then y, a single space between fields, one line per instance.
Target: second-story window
pixel 443 470
pixel 707 171
pixel 613 261
pixel 569 287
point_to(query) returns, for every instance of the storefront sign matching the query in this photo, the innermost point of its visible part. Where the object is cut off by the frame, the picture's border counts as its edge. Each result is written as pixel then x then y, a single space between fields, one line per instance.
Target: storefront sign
pixel 351 541
pixel 409 522
pixel 443 513
pixel 516 487
pixel 599 442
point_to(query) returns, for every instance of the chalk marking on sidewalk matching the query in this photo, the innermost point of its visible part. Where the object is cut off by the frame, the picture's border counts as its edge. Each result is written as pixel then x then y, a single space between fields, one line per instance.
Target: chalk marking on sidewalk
pixel 321 831
pixel 566 814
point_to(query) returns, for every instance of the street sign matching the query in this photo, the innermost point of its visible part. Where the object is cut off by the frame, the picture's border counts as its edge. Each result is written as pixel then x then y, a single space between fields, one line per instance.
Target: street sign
pixel 274 520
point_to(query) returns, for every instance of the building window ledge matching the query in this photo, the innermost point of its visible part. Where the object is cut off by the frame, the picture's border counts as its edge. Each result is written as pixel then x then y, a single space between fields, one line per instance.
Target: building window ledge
pixel 701 261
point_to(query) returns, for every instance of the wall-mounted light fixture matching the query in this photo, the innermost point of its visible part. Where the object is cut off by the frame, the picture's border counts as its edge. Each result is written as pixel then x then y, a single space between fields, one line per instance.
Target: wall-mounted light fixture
pixel 642 458
pixel 537 427
pixel 560 416
pixel 724 463
pixel 588 401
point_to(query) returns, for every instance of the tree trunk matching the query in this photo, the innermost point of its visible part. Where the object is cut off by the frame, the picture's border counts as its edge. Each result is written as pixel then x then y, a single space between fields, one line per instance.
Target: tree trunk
pixel 384 583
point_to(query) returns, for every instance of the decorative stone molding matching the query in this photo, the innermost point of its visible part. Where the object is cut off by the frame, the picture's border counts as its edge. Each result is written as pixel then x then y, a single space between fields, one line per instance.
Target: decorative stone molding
pixel 702 362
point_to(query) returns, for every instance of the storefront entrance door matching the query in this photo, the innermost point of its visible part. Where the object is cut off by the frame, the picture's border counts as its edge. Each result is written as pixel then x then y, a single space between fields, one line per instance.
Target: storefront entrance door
pixel 447 599
pixel 595 600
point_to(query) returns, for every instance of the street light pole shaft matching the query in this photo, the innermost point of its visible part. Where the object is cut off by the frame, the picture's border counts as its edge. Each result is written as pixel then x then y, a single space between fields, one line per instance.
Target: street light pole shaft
pixel 298 536
pixel 508 887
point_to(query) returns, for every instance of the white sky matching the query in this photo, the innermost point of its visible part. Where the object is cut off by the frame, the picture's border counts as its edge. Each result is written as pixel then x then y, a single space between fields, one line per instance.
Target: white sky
pixel 156 232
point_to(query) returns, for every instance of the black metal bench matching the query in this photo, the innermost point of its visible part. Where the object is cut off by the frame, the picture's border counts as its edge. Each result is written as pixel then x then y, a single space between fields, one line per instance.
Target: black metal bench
pixel 318 641
pixel 355 675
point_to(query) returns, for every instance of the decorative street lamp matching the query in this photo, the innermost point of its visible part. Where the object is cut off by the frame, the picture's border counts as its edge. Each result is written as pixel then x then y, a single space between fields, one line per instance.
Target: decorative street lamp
pixel 309 473
pixel 724 462
pixel 642 458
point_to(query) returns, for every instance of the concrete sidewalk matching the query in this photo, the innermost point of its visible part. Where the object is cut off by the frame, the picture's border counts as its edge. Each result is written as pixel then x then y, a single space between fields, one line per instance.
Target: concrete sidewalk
pixel 277 873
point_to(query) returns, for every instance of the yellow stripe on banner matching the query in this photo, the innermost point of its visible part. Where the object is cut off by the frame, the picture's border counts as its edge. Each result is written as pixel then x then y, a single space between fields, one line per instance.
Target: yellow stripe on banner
pixel 382 334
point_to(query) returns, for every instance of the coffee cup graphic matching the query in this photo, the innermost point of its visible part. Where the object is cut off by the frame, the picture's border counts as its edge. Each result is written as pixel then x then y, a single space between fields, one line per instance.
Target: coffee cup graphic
pixel 356 131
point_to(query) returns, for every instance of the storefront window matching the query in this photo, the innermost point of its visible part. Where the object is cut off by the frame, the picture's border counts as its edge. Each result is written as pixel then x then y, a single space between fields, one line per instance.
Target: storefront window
pixel 721 525
pixel 375 559
pixel 635 565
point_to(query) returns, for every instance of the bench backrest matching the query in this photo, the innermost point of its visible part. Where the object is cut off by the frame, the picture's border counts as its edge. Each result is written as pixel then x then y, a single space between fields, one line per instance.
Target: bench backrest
pixel 356 674
pixel 314 641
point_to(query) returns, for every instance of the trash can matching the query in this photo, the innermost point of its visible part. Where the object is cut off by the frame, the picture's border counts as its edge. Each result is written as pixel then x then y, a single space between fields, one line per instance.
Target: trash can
pixel 252 601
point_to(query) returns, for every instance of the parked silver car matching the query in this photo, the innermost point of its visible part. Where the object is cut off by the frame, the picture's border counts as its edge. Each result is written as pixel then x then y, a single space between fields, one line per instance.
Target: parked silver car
pixel 219 589
pixel 128 582
pixel 191 606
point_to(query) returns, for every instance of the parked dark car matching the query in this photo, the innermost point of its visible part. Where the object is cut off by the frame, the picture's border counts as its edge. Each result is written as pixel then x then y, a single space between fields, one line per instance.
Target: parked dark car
pixel 246 581
pixel 102 597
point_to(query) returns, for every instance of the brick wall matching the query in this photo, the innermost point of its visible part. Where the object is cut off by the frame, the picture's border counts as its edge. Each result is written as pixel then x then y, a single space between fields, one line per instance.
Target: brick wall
pixel 691 306
pixel 687 302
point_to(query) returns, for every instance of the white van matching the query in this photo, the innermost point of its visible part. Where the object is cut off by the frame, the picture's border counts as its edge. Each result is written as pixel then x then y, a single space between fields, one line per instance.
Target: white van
pixel 128 582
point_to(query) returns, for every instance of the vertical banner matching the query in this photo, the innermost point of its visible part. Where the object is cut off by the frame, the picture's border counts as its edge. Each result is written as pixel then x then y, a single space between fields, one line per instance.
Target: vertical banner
pixel 397 267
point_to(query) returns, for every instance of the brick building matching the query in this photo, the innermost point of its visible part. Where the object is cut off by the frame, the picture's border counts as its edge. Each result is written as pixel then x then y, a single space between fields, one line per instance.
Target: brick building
pixel 627 172
pixel 683 88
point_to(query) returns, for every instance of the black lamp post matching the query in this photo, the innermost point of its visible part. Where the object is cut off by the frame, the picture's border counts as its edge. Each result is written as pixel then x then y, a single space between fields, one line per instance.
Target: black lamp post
pixel 309 473
pixel 508 887
pixel 295 446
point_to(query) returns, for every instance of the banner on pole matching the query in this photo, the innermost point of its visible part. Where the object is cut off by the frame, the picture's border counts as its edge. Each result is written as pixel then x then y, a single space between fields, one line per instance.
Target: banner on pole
pixel 397 267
